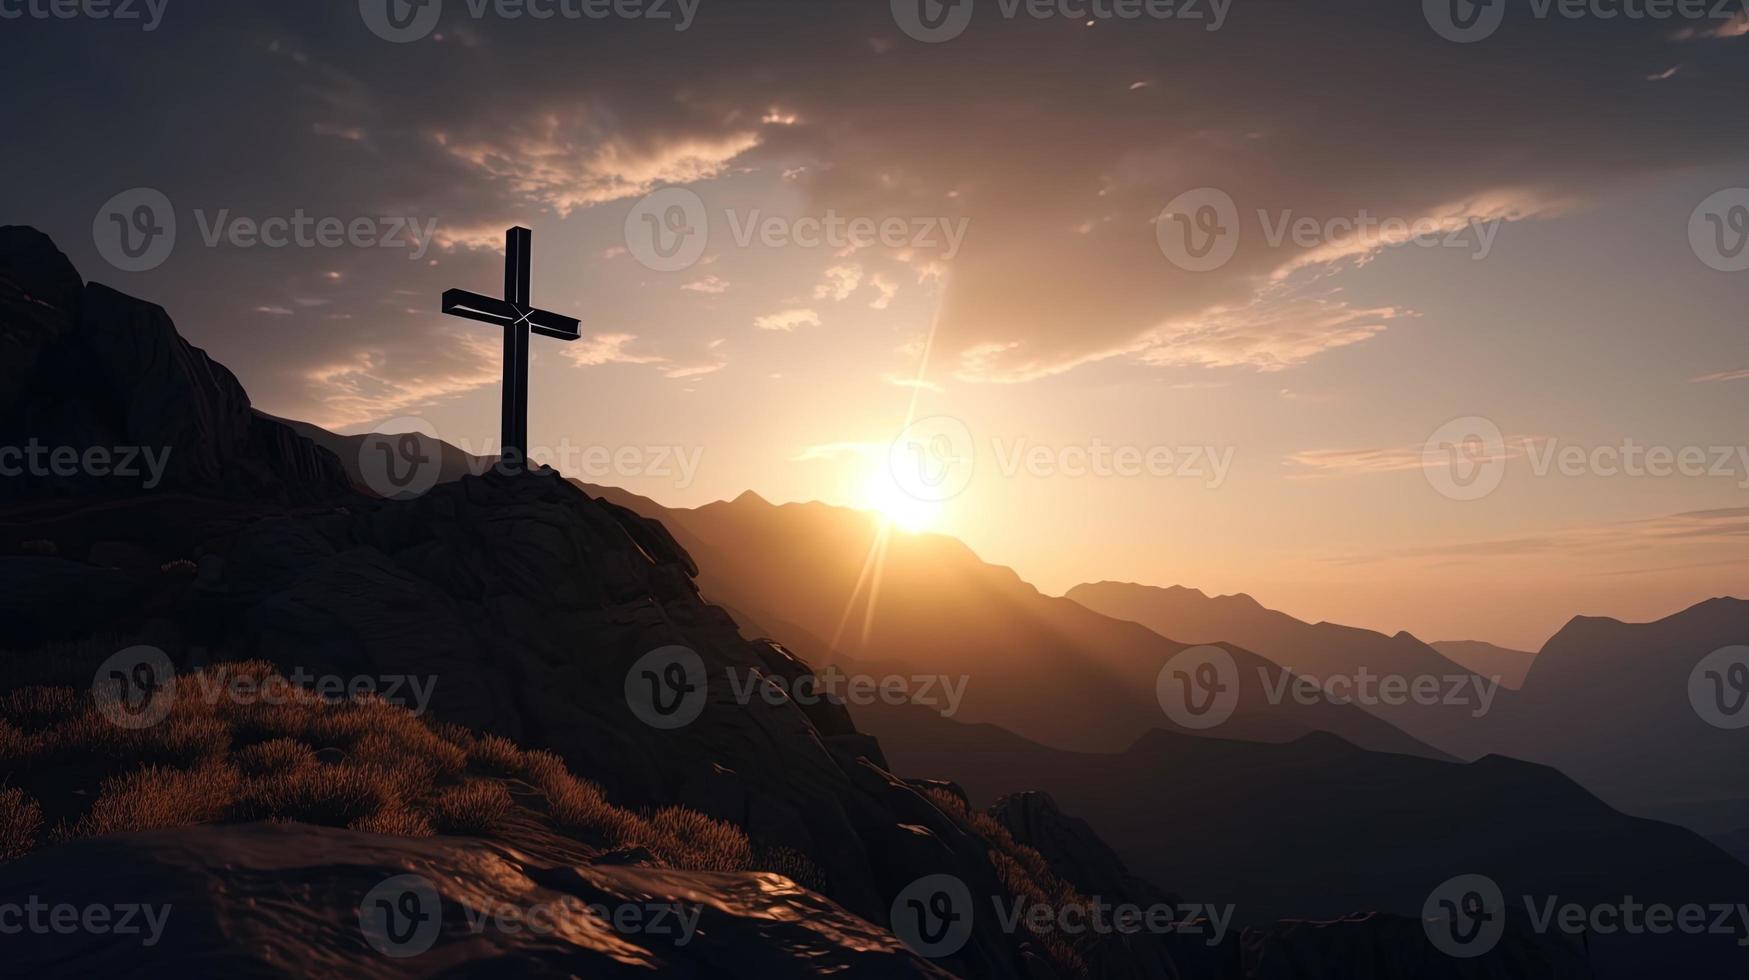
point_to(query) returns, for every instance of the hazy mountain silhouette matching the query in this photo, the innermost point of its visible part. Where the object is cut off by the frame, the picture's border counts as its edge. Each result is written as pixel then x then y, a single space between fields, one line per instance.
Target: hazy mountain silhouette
pixel 1608 702
pixel 1489 660
pixel 1314 650
pixel 1318 827
pixel 1041 665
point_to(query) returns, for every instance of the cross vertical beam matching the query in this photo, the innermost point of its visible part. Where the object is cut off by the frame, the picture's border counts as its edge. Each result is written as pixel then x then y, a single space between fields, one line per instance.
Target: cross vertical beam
pixel 519 318
pixel 513 420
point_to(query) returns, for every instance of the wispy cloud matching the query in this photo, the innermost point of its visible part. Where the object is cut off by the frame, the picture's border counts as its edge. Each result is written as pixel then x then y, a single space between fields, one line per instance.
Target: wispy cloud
pixel 788 320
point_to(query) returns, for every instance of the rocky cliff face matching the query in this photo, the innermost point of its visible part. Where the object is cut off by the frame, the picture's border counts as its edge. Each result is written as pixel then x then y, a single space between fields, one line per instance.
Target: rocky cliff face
pixel 104 379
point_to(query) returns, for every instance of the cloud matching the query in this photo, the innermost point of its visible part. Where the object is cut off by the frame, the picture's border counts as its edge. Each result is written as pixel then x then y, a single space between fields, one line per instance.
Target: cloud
pixel 886 288
pixel 1270 333
pixel 607 348
pixel 567 160
pixel 788 320
pixel 841 282
pixel 370 384
pixel 714 285
pixel 1737 375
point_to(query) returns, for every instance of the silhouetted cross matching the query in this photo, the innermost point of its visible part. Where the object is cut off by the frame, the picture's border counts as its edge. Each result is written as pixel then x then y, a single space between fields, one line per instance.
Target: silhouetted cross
pixel 518 319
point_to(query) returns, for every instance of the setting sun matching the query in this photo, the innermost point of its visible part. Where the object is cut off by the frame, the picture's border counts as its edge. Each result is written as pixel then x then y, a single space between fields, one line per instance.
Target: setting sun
pixel 884 496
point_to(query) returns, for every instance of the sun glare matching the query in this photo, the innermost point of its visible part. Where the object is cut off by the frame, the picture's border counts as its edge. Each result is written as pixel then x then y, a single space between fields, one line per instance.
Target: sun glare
pixel 898 508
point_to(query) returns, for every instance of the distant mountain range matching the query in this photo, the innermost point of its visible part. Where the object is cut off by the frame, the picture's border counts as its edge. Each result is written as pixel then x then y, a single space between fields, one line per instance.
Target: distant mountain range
pixel 1489 660
pixel 1320 828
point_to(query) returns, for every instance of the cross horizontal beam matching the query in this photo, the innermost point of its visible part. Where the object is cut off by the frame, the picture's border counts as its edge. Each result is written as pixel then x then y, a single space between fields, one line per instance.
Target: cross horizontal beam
pixel 488 309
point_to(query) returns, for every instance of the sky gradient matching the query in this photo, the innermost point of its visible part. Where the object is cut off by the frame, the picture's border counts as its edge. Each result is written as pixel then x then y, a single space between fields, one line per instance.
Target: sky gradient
pixel 1028 292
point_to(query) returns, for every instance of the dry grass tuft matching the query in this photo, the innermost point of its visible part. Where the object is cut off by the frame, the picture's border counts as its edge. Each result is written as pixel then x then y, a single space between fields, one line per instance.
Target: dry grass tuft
pixel 20 820
pixel 241 743
pixel 478 807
